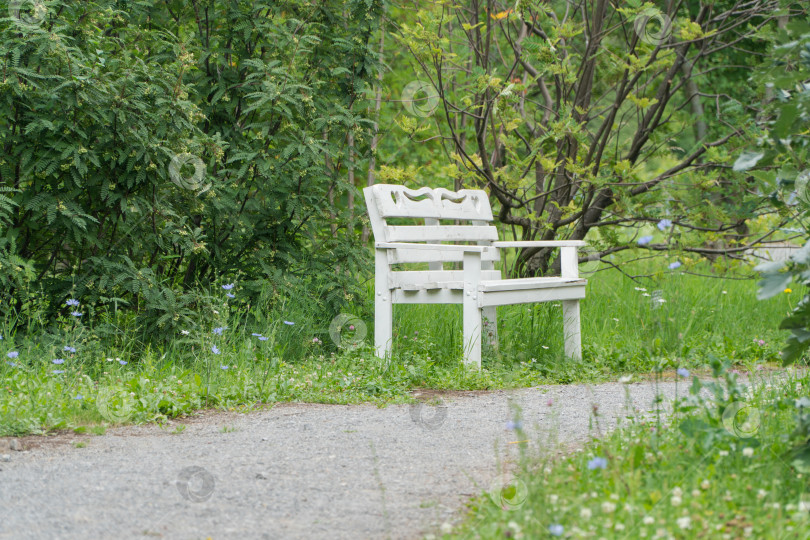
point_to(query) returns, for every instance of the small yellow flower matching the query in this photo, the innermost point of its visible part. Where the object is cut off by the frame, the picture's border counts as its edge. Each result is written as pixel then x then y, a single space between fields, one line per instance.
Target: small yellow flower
pixel 788 290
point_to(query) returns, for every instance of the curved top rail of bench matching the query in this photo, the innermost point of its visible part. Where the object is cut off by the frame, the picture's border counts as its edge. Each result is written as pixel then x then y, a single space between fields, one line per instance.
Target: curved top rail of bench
pixel 393 201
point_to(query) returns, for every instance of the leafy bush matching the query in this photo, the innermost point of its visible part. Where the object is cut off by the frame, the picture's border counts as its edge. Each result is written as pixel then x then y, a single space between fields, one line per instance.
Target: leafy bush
pixel 148 150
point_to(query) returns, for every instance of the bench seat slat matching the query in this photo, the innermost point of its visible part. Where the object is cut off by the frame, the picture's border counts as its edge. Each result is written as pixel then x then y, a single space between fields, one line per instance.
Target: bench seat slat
pixel 522 284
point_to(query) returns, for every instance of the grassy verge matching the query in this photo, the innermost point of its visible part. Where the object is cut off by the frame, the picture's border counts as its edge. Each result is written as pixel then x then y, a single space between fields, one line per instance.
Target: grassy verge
pixel 731 467
pixel 236 355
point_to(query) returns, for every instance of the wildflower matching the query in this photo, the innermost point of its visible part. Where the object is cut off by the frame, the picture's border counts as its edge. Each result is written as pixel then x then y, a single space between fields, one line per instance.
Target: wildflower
pixel 684 522
pixel 69 349
pixel 58 371
pixel 748 451
pixel 677 491
pixel 724 292
pixel 72 302
pixel 228 287
pixel 676 501
pixel 683 372
pixel 597 463
pixel 76 313
pixel 214 349
pixel 553 499
pixel 619 527
pixel 788 290
pixel 761 494
pixel 625 379
pixel 545 347
pixel 761 342
pixel 290 323
pixel 351 327
pixel 262 338
pixel 254 334
pixel 514 424
pixel 644 240
pixel 648 520
pixel 185 332
pixel 664 224
pixel 58 361
pixel 660 300
pixel 122 362
pixel 642 289
pixel 704 485
pixel 645 294
pixel 223 367
pixel 585 513
pixel 549 403
pixel 316 340
pixel 674 265
pixel 723 453
pixel 608 507
pixel 12 364
pixel 218 331
pixel 78 396
pixel 13 354
pixel 556 529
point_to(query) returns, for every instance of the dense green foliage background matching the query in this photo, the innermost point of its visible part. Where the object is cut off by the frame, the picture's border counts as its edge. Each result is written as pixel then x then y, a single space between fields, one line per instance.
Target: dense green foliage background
pixel 253 101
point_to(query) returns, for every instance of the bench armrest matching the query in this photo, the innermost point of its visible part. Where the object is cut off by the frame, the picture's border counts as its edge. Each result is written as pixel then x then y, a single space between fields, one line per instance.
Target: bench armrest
pixel 444 247
pixel 540 243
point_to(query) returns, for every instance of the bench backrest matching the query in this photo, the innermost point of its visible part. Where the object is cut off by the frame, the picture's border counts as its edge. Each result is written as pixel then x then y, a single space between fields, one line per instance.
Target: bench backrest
pixel 441 216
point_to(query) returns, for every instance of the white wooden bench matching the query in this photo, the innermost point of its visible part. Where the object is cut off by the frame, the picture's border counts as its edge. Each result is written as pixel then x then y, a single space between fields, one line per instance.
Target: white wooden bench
pixel 479 287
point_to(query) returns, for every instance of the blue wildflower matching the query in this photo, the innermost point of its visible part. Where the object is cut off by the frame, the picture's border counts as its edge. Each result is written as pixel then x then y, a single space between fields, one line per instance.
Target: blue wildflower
pixel 76 313
pixel 228 287
pixel 13 354
pixel 224 367
pixel 254 334
pixel 122 362
pixel 676 264
pixel 683 372
pixel 644 240
pixel 12 364
pixel 214 349
pixel 289 322
pixel 597 463
pixel 556 529
pixel 78 396
pixel 262 338
pixel 229 295
pixel 514 424
pixel 58 371
pixel 70 349
pixel 218 331
pixel 664 224
pixel 72 302
pixel 59 361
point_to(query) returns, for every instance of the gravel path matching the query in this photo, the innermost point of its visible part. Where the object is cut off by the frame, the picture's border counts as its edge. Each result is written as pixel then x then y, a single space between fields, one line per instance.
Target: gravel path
pixel 296 470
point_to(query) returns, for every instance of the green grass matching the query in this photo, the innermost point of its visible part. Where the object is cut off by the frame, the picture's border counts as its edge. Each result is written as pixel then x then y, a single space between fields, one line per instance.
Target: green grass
pixel 725 470
pixel 116 375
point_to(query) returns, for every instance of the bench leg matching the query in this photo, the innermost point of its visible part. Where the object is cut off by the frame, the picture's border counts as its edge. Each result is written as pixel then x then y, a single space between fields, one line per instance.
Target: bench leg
pixel 383 322
pixel 573 339
pixel 472 332
pixel 491 326
pixel 383 307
